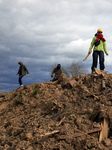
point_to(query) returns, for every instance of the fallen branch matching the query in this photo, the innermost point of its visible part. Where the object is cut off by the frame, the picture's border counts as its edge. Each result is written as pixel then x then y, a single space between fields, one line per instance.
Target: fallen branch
pixel 61 121
pixel 56 114
pixel 84 133
pixel 92 131
pixel 34 117
pixel 65 137
pixel 86 90
pixel 50 133
pixel 18 128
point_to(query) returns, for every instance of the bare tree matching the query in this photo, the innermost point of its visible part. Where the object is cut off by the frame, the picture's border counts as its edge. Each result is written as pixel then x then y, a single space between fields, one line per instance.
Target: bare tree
pixel 65 71
pixel 76 68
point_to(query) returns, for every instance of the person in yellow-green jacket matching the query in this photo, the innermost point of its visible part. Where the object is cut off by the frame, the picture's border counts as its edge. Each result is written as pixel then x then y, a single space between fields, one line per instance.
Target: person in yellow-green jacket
pixel 99 47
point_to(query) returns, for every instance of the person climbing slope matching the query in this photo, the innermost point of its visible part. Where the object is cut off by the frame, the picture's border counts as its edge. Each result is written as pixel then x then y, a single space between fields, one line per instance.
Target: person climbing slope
pixel 56 72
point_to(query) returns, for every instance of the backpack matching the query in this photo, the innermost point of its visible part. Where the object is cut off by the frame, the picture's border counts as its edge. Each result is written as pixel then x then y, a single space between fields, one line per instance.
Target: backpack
pixel 97 43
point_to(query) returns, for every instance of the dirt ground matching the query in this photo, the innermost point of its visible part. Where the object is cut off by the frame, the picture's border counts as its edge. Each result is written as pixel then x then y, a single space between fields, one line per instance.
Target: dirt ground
pixel 58 116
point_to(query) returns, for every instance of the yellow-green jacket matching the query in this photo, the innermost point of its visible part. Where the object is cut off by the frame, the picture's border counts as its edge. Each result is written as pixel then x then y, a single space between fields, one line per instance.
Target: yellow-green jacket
pixel 101 47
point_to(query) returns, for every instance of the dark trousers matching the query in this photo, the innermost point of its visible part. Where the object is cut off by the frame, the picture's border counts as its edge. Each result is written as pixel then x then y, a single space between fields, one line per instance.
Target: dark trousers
pixel 95 60
pixel 20 79
pixel 54 80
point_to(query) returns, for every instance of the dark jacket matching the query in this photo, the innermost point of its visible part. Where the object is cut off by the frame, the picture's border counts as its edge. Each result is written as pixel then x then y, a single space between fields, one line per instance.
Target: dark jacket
pixel 57 72
pixel 22 69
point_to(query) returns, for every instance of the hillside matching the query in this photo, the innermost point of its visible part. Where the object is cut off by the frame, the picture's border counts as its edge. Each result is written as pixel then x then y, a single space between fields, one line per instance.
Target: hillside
pixel 68 115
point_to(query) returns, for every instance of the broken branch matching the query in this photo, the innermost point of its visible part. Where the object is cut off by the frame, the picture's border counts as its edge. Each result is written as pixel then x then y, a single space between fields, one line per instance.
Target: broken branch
pixel 61 121
pixel 84 133
pixel 50 133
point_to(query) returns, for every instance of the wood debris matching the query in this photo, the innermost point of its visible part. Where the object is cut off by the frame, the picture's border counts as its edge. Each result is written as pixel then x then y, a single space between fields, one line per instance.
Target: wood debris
pixel 72 82
pixel 104 131
pixel 103 84
pixel 92 131
pixel 49 133
pixel 83 133
pixel 61 121
pixel 99 72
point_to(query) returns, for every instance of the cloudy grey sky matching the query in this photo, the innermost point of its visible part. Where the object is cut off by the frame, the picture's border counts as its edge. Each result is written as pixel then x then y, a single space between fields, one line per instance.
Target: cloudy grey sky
pixel 43 32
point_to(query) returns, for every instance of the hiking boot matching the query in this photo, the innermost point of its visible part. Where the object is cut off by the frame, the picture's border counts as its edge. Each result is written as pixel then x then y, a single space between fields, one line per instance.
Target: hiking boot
pixel 21 86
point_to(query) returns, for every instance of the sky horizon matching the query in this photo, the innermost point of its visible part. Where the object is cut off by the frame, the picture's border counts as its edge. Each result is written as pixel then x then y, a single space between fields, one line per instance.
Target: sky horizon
pixel 43 33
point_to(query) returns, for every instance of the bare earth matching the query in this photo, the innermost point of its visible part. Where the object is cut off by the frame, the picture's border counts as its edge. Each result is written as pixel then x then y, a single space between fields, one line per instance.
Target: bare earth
pixel 58 116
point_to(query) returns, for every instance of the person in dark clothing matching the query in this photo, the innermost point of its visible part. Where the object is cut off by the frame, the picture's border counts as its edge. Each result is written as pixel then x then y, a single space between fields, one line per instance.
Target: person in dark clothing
pixel 22 72
pixel 56 72
pixel 99 47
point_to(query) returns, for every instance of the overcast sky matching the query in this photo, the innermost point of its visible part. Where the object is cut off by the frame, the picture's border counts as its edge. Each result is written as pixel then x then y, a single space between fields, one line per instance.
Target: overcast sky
pixel 43 32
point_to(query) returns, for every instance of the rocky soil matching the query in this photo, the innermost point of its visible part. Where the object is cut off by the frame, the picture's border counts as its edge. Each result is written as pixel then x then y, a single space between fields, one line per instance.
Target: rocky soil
pixel 63 116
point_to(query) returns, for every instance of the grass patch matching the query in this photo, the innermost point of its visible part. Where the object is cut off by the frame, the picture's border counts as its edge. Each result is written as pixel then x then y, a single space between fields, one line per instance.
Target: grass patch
pixel 19 100
pixel 36 90
pixel 20 96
